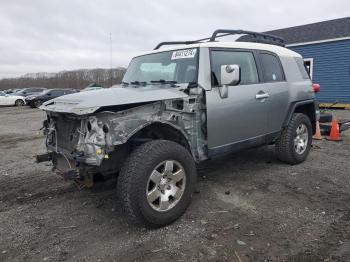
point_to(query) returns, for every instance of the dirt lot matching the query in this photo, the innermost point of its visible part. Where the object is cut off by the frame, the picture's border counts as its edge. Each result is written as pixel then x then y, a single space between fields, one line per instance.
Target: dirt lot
pixel 249 207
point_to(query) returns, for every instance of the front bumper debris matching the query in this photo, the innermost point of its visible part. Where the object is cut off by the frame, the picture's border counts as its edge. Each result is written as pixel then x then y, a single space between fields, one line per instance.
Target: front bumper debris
pixel 44 157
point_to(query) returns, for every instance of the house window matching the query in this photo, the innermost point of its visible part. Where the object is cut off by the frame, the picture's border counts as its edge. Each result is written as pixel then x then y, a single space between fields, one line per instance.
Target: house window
pixel 309 64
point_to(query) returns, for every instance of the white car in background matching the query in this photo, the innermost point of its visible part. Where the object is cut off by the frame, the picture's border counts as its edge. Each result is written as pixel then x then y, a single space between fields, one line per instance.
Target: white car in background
pixel 11 100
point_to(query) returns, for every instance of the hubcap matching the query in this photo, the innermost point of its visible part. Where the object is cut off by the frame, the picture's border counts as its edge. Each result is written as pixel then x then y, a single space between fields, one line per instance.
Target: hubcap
pixel 166 185
pixel 301 139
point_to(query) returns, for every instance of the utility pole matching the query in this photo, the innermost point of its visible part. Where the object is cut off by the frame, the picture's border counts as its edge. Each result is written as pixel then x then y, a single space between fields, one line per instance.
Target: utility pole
pixel 111 58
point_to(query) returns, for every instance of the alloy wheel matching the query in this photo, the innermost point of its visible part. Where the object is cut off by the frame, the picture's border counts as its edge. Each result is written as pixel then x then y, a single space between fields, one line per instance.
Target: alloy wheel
pixel 166 185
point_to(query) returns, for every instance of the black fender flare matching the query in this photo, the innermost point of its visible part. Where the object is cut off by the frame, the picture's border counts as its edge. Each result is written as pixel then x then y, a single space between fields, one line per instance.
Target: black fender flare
pixel 294 106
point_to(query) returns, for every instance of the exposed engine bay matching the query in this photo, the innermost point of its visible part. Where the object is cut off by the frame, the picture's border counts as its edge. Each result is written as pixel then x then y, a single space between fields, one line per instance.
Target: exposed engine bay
pixel 81 146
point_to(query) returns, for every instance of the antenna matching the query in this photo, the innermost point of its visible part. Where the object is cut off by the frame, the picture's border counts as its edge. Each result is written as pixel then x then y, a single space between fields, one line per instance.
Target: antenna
pixel 111 58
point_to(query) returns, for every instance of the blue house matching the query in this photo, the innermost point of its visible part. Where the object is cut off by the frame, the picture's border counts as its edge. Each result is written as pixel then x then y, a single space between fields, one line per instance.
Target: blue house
pixel 325 47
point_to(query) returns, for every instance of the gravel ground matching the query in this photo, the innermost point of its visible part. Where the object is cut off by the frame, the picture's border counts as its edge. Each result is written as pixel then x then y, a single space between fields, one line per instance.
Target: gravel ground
pixel 249 207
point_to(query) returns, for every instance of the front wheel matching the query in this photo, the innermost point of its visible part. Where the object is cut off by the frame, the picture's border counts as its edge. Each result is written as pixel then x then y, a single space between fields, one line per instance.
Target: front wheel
pixel 156 183
pixel 294 143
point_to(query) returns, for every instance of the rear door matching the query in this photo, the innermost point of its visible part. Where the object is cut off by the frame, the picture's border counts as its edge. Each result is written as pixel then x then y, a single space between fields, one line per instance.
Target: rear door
pixel 276 87
pixel 240 120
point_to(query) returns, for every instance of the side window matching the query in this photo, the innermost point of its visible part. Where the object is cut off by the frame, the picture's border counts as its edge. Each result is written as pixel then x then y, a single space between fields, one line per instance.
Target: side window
pixel 56 92
pixel 271 67
pixel 245 60
pixel 34 90
pixel 304 70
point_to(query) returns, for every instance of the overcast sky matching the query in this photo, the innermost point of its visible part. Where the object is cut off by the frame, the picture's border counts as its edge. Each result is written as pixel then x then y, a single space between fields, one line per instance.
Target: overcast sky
pixel 54 35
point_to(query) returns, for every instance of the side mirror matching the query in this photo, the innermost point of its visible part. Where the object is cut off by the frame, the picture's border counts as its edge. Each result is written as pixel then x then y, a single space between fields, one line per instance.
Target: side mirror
pixel 230 76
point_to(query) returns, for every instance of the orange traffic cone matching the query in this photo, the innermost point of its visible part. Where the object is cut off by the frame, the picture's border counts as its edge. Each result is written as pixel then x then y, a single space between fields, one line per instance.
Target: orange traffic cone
pixel 334 134
pixel 317 135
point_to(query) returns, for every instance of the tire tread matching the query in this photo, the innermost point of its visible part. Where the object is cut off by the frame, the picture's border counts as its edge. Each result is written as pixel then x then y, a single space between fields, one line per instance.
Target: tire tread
pixel 284 143
pixel 129 177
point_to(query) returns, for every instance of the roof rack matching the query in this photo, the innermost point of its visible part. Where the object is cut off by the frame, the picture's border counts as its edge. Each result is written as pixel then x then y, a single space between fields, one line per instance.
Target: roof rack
pixel 249 37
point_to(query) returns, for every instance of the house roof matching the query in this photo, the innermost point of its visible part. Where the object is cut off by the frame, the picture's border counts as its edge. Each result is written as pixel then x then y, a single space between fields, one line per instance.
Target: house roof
pixel 331 29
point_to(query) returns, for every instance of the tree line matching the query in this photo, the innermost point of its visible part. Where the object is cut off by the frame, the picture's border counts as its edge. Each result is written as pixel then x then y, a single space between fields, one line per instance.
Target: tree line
pixel 76 79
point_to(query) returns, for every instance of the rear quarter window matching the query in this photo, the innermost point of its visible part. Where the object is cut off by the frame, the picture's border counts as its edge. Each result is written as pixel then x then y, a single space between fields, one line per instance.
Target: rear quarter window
pixel 302 69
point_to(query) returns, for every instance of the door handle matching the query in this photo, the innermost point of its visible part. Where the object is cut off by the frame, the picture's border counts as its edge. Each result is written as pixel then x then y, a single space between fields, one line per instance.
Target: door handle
pixel 261 95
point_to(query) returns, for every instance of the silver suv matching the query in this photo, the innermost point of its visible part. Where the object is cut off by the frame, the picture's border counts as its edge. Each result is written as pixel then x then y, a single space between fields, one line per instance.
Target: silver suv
pixel 179 106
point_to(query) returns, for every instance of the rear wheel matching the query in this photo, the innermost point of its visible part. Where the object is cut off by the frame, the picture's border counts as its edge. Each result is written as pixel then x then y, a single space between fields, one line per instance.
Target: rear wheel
pixel 294 143
pixel 156 183
pixel 19 102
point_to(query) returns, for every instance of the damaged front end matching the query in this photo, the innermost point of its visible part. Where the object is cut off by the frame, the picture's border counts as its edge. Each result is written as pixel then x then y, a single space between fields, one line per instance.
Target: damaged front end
pixel 81 146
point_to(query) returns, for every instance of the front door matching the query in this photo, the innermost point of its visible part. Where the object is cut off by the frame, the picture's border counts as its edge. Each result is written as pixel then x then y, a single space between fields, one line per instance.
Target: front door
pixel 240 120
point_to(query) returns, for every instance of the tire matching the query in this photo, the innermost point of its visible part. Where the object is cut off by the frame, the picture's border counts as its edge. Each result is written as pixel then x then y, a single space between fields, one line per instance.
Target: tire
pixel 290 151
pixel 19 102
pixel 326 118
pixel 37 103
pixel 136 177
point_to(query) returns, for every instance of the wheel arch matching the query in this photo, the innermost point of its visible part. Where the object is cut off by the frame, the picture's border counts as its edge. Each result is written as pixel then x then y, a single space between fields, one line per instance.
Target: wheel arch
pixel 19 99
pixel 160 130
pixel 307 107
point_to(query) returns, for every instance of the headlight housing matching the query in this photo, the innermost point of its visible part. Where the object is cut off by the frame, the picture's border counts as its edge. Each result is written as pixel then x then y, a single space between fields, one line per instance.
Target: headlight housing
pixel 84 110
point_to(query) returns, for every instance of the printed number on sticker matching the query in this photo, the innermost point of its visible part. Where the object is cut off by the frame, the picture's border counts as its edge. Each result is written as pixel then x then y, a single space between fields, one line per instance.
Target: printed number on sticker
pixel 180 54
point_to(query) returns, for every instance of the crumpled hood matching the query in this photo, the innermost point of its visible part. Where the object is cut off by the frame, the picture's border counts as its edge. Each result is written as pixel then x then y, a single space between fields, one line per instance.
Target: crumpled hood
pixel 88 102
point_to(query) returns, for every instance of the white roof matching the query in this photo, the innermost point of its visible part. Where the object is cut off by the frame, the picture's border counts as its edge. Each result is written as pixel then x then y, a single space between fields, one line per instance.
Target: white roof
pixel 280 51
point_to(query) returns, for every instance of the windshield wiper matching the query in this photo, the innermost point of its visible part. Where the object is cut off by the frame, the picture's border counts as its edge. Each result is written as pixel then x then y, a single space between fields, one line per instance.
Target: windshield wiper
pixel 138 83
pixel 162 81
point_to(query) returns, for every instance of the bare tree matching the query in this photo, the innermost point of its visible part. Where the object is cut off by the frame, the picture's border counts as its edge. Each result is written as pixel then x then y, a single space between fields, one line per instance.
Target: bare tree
pixel 77 79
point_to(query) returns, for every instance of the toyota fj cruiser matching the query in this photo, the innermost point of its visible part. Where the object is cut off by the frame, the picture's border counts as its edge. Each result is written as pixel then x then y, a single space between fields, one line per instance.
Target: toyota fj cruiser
pixel 177 107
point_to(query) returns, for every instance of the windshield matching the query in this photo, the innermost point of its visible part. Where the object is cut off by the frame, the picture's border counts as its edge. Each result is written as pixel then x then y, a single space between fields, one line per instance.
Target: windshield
pixel 179 66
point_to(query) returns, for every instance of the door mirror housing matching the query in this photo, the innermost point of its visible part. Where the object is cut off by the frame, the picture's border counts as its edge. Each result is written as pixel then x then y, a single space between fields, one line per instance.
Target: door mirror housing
pixel 230 75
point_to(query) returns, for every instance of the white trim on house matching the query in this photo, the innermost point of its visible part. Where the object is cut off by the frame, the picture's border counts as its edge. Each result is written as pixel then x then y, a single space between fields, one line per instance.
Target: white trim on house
pixel 320 41
pixel 311 60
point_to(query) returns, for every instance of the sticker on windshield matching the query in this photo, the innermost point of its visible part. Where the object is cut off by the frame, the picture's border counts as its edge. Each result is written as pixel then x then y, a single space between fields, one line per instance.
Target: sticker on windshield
pixel 181 54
